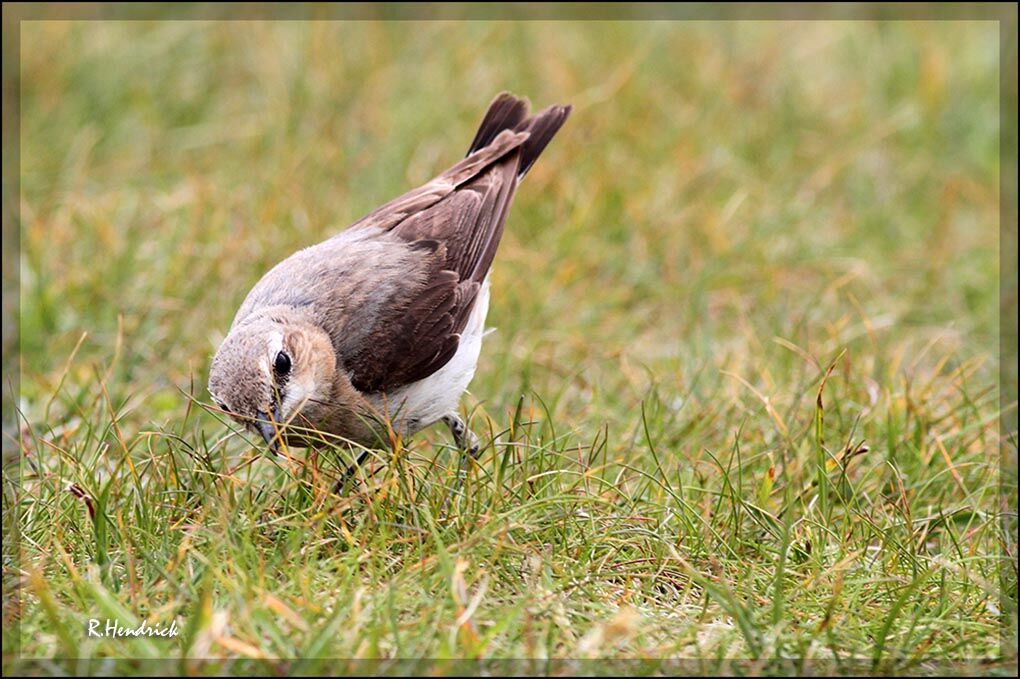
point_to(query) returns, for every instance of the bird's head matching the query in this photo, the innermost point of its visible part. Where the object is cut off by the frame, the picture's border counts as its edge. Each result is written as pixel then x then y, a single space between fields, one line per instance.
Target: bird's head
pixel 268 369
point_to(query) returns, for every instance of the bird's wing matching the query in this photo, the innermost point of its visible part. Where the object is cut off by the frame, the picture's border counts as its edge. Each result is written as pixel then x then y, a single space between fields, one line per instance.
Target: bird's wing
pixel 452 225
pixel 454 240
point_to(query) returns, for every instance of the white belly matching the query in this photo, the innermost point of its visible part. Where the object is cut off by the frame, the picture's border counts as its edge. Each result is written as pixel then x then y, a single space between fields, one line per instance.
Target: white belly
pixel 424 402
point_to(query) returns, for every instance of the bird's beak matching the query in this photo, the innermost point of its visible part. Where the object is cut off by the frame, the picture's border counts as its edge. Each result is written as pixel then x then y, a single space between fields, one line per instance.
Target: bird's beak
pixel 268 428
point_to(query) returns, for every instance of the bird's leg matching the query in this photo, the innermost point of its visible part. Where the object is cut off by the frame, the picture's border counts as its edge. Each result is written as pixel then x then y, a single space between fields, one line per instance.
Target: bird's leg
pixel 349 473
pixel 466 442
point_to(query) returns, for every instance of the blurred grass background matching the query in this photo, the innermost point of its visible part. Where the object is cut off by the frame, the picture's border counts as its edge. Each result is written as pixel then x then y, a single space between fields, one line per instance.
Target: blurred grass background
pixel 733 208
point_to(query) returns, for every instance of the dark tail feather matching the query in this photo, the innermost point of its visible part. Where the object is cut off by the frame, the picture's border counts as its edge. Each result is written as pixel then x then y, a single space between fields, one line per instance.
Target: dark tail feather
pixel 542 127
pixel 505 113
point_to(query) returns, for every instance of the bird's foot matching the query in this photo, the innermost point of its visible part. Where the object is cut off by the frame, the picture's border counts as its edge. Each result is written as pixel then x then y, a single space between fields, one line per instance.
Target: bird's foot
pixel 349 473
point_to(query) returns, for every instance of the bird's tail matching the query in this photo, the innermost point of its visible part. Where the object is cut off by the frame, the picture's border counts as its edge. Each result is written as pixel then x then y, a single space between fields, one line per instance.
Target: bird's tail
pixel 507 112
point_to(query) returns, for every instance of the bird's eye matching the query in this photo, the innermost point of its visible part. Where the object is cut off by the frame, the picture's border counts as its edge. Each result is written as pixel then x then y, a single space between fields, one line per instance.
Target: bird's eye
pixel 282 363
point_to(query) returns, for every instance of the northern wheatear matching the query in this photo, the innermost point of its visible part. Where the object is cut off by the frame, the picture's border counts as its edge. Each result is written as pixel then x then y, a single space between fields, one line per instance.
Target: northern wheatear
pixel 379 328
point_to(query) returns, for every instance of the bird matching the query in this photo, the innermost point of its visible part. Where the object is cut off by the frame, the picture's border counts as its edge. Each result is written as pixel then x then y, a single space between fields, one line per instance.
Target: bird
pixel 376 332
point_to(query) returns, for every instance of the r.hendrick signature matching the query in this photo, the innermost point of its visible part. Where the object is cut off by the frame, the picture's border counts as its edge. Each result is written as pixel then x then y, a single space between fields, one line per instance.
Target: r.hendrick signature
pixel 113 628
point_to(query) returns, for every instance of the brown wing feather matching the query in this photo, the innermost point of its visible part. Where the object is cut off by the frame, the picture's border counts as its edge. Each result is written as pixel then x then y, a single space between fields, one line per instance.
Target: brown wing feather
pixel 455 222
pixel 413 202
pixel 425 332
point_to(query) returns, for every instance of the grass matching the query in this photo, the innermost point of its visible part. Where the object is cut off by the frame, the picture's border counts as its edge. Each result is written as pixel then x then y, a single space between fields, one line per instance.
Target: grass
pixel 740 412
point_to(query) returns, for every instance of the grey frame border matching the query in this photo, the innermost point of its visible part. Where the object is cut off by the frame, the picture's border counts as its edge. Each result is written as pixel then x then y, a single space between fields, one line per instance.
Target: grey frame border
pixel 1004 13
